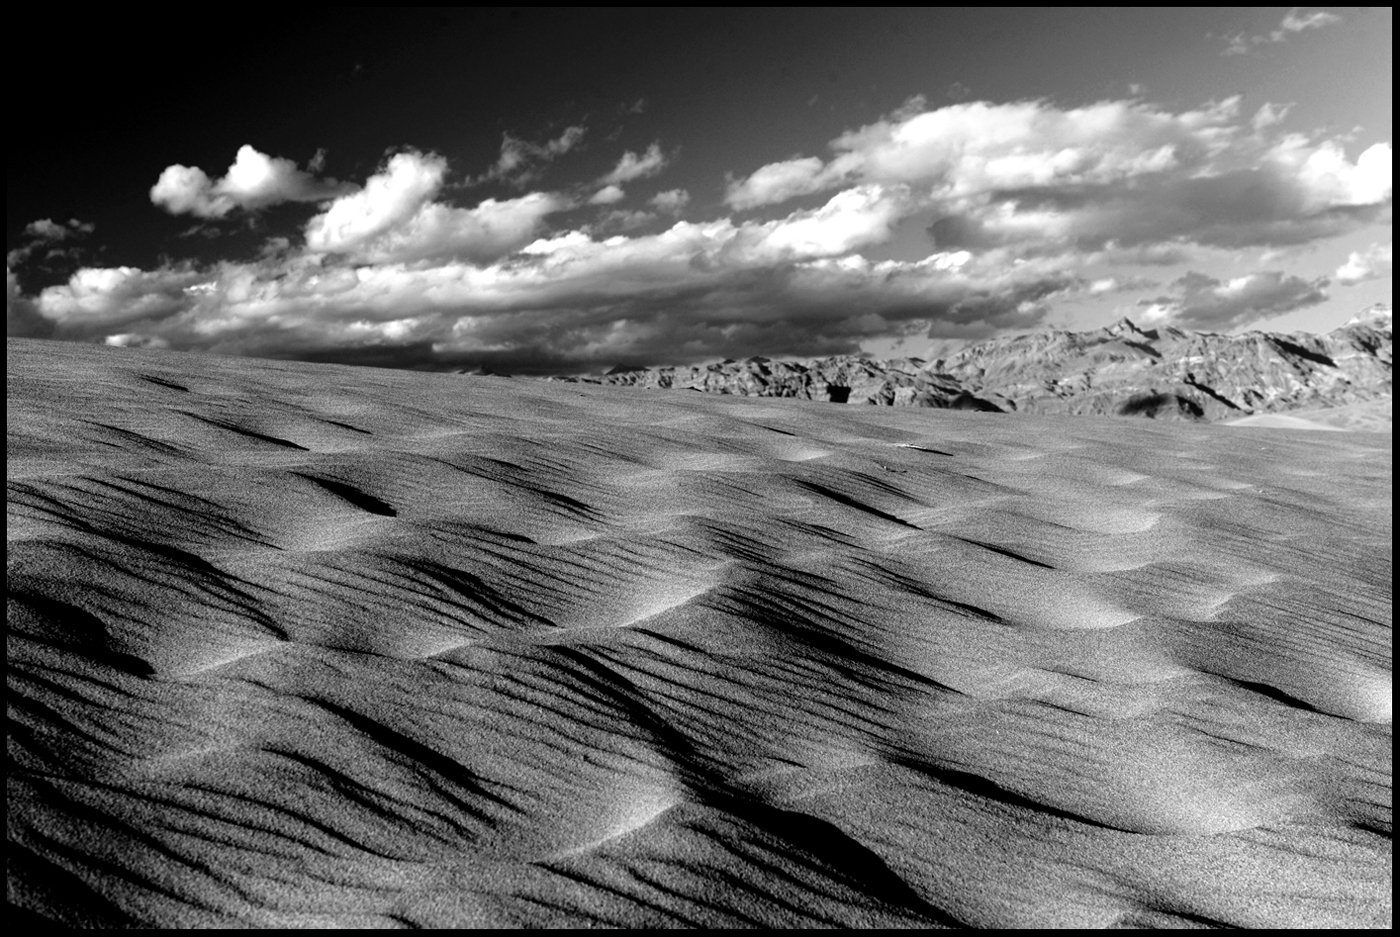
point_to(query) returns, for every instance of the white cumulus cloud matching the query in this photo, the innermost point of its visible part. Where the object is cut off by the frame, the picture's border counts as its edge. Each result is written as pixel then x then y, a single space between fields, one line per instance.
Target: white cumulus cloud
pixel 491 230
pixel 1326 179
pixel 977 148
pixel 778 182
pixel 389 199
pixel 853 219
pixel 394 218
pixel 255 180
pixel 1371 264
pixel 1116 173
pixel 607 195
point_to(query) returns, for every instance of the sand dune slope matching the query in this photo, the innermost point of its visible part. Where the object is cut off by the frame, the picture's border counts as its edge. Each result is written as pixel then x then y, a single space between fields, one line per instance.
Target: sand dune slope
pixel 1372 416
pixel 297 645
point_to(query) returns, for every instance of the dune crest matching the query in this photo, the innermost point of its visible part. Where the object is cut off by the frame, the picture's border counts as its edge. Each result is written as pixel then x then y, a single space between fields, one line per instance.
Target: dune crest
pixel 301 645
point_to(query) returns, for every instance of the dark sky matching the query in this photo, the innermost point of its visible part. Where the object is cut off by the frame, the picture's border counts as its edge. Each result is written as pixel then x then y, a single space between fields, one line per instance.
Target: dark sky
pixel 800 182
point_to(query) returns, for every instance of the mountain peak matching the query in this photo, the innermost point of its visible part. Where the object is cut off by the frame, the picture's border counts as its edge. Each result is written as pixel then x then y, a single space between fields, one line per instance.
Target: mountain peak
pixel 1376 316
pixel 1125 325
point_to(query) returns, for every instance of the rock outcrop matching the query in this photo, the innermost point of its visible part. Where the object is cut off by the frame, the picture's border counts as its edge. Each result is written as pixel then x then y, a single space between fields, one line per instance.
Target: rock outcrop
pixel 1122 369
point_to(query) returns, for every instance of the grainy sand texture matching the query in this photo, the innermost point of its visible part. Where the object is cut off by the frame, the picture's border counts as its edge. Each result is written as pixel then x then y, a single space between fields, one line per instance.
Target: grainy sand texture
pixel 298 644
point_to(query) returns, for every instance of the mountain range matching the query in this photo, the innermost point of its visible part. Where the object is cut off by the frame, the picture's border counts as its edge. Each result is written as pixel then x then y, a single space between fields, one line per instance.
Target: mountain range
pixel 1118 370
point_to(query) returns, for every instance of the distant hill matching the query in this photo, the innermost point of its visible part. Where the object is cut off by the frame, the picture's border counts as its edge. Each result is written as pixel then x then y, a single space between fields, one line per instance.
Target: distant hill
pixel 1121 369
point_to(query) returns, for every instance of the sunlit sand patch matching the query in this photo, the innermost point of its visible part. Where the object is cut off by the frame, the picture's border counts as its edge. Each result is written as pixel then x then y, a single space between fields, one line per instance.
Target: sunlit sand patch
pixel 1097 518
pixel 705 461
pixel 662 597
pixel 1178 785
pixel 1365 693
pixel 638 809
pixel 227 658
pixel 795 451
pixel 1281 421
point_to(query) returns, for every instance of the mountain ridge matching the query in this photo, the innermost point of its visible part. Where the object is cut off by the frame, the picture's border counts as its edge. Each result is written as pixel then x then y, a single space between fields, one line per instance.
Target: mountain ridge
pixel 1122 369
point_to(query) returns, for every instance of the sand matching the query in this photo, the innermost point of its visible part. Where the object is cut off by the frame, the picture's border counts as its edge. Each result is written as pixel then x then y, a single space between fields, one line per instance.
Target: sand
pixel 1371 416
pixel 296 645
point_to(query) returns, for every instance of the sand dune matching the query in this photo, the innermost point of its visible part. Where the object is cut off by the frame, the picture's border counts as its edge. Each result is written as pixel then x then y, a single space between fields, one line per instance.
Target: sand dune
pixel 303 645
pixel 1371 416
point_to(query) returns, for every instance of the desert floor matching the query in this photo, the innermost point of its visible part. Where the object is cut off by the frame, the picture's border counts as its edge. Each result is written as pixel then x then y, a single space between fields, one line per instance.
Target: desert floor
pixel 298 644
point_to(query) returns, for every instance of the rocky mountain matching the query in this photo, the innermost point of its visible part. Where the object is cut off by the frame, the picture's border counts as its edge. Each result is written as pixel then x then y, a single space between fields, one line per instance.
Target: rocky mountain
pixel 1121 369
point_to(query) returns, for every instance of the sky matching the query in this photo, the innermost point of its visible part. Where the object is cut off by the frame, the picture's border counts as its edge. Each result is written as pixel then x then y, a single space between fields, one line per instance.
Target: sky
pixel 548 191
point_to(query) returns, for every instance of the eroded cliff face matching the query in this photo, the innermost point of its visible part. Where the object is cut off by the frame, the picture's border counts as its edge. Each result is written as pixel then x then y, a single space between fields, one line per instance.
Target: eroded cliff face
pixel 1123 369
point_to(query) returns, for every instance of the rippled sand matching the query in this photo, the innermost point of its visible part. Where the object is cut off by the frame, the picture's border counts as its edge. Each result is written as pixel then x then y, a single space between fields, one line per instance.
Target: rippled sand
pixel 294 645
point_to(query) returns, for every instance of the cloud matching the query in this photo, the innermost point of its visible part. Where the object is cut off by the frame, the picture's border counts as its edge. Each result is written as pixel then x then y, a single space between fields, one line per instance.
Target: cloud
pixel 188 190
pixel 1294 21
pixel 97 301
pixel 778 182
pixel 394 218
pixel 571 301
pixel 977 149
pixel 1324 179
pixel 255 180
pixel 1020 200
pixel 607 195
pixel 624 221
pixel 22 316
pixel 1118 173
pixel 1268 115
pixel 522 161
pixel 1309 195
pixel 389 199
pixel 851 220
pixel 43 235
pixel 1203 302
pixel 672 201
pixel 632 166
pixel 274 247
pixel 46 229
pixel 1370 264
pixel 1146 255
pixel 1108 285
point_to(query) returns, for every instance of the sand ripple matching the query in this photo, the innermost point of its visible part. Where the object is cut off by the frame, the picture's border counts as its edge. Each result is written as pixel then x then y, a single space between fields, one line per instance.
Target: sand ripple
pixel 297 645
